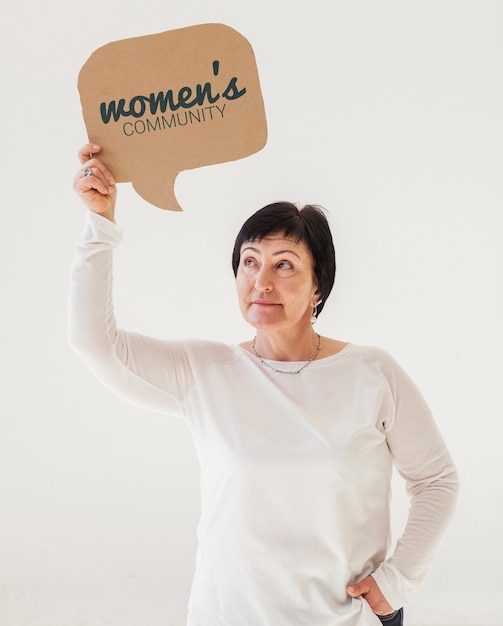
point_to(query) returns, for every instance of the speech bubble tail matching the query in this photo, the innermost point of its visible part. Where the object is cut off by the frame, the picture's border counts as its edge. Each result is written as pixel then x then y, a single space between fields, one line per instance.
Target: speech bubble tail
pixel 158 189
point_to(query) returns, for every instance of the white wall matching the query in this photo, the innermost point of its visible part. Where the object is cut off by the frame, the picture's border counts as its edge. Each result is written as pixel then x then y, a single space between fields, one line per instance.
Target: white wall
pixel 390 115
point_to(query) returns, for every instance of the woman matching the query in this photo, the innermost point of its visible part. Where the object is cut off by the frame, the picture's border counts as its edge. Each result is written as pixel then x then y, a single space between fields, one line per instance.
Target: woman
pixel 296 433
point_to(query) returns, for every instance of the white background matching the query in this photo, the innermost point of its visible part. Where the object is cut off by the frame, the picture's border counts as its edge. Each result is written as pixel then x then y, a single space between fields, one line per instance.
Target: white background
pixel 390 114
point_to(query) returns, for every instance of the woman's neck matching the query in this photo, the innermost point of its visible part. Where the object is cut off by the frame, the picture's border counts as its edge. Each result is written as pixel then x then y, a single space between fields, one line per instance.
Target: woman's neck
pixel 300 346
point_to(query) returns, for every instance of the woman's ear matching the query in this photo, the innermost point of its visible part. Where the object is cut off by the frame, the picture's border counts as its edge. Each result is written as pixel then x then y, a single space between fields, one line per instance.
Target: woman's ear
pixel 316 300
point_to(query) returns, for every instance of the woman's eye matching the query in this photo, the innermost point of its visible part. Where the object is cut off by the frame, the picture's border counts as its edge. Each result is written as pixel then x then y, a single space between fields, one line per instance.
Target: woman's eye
pixel 285 265
pixel 249 262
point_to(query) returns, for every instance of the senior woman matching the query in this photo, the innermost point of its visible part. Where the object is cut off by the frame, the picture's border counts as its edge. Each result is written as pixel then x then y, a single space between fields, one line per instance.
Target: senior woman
pixel 296 434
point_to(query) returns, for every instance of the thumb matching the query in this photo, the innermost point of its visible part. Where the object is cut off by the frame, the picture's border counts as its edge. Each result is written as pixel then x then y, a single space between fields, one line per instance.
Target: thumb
pixel 359 589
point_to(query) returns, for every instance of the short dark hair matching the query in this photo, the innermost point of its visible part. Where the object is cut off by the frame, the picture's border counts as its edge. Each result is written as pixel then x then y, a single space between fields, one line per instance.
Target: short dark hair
pixel 308 224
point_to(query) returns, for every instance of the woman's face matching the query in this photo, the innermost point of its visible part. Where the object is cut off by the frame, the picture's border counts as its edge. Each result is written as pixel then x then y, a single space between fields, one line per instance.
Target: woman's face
pixel 275 283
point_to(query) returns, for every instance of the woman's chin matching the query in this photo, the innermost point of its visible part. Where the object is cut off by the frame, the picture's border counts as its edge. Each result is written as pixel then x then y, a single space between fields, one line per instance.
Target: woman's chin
pixel 263 322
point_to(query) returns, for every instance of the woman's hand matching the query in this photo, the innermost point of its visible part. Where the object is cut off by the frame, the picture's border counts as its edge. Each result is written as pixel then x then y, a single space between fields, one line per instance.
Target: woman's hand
pixel 368 589
pixel 97 189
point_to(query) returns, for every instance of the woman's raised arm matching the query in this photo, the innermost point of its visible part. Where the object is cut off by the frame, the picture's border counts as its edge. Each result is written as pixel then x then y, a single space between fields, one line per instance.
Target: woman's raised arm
pixel 138 368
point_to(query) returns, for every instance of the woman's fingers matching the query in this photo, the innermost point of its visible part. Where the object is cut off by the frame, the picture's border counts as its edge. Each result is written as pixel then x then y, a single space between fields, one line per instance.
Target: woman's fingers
pixel 369 589
pixel 94 183
pixel 87 159
pixel 93 175
pixel 87 151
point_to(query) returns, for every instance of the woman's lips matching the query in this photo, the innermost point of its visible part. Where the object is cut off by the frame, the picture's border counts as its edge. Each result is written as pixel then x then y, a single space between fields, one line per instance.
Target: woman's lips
pixel 265 303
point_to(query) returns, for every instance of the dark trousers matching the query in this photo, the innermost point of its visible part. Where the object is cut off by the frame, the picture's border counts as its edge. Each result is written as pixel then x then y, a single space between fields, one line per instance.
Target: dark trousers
pixel 395 619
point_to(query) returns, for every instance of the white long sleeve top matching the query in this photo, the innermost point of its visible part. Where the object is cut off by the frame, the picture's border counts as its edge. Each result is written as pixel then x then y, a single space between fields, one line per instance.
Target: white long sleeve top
pixel 295 469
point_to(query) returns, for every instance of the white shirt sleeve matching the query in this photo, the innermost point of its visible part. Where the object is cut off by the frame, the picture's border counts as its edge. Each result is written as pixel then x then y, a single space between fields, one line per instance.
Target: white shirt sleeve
pixel 137 368
pixel 422 459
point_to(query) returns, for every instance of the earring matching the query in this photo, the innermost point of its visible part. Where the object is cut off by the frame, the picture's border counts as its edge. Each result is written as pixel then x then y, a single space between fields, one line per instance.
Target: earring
pixel 314 314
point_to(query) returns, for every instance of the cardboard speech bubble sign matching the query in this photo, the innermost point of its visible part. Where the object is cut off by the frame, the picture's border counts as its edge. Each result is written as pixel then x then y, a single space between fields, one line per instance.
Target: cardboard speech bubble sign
pixel 177 100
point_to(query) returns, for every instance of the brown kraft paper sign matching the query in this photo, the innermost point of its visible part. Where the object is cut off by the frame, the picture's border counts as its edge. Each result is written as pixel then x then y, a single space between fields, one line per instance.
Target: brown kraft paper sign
pixel 177 100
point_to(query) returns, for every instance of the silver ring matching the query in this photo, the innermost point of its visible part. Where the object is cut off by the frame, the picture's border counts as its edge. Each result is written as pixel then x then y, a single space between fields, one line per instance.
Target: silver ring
pixel 87 172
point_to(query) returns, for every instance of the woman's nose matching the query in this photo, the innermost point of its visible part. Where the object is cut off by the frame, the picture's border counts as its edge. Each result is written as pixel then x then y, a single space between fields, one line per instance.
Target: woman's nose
pixel 263 280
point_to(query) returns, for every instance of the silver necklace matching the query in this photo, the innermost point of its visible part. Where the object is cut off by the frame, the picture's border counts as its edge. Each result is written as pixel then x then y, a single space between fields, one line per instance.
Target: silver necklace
pixel 286 371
